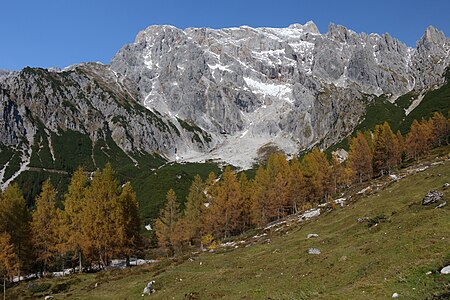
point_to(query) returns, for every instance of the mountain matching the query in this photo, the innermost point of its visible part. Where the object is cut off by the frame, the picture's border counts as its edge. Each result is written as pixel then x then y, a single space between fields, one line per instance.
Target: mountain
pixel 203 94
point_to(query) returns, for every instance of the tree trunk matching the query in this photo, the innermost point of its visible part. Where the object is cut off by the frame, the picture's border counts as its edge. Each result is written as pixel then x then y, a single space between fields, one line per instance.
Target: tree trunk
pixel 4 288
pixel 80 265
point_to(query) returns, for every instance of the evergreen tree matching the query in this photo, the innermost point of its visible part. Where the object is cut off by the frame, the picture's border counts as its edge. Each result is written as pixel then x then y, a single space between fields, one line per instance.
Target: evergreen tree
pixel 360 158
pixel 166 222
pixel 44 225
pixel 15 220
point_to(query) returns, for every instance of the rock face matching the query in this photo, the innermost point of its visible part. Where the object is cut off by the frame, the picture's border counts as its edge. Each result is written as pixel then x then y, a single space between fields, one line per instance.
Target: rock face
pixel 432 197
pixel 202 93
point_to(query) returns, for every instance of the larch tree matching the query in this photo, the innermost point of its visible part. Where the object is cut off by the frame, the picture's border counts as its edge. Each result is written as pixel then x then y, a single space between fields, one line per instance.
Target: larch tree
pixel 247 192
pixel 440 128
pixel 401 154
pixel 15 220
pixel 279 187
pixel 97 225
pixel 317 173
pixel 194 211
pixel 418 139
pixel 74 201
pixel 298 188
pixel 9 261
pixel 261 198
pixel 339 175
pixel 385 152
pixel 226 208
pixel 44 225
pixel 165 225
pixel 360 158
pixel 127 222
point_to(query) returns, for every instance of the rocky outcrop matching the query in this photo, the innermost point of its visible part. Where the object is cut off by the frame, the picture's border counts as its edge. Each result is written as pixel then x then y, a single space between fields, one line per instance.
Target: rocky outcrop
pixel 202 93
pixel 432 197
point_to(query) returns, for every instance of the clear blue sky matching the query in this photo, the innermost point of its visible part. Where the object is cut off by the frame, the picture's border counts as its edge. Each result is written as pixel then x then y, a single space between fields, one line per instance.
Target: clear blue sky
pixel 45 33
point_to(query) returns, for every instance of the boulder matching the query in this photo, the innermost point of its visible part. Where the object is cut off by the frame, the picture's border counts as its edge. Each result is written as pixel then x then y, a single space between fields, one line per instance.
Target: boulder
pixel 313 251
pixel 395 295
pixel 432 197
pixel 445 270
pixel 311 235
pixel 442 204
pixel 148 289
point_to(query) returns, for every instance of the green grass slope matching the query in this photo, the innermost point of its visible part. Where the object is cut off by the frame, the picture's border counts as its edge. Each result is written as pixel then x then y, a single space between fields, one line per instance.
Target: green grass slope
pixel 356 261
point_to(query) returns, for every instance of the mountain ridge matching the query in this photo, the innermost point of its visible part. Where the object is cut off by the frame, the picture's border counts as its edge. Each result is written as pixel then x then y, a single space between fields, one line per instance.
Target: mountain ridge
pixel 203 94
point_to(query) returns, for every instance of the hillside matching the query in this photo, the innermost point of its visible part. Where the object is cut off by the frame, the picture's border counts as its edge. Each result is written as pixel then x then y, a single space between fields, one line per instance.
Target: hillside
pixel 391 252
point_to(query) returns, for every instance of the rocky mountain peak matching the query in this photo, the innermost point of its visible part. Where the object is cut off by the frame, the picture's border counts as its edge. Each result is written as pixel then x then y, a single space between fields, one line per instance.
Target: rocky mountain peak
pixel 226 93
pixel 309 26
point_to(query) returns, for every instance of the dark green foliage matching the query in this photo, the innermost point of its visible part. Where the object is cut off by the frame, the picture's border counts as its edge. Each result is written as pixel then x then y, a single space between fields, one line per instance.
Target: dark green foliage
pixel 31 182
pixel 196 131
pixel 5 154
pixel 72 149
pixel 151 186
pixel 14 164
pixel 41 156
pixel 378 111
pixel 437 100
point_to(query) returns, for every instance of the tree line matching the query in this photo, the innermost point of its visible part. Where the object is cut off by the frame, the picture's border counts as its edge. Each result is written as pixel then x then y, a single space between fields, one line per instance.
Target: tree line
pixel 98 220
pixel 217 209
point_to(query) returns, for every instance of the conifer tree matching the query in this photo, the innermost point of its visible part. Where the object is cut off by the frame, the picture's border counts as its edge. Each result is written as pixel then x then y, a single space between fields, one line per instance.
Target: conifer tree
pixel 360 158
pixel 98 228
pixel 261 197
pixel 317 173
pixel 298 188
pixel 44 226
pixel 440 128
pixel 279 187
pixel 73 208
pixel 226 209
pixel 194 211
pixel 418 139
pixel 385 152
pixel 247 192
pixel 127 222
pixel 339 175
pixel 401 154
pixel 15 220
pixel 166 222
pixel 9 261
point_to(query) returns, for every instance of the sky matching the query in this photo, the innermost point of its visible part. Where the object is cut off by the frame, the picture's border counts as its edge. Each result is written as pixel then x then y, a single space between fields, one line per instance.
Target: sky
pixel 58 33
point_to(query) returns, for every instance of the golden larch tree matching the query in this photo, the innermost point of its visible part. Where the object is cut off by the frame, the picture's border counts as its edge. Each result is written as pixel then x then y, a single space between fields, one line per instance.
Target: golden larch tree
pixel 44 225
pixel 360 158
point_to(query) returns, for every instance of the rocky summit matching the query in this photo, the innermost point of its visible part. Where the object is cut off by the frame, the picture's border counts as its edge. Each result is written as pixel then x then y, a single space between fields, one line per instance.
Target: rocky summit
pixel 223 94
